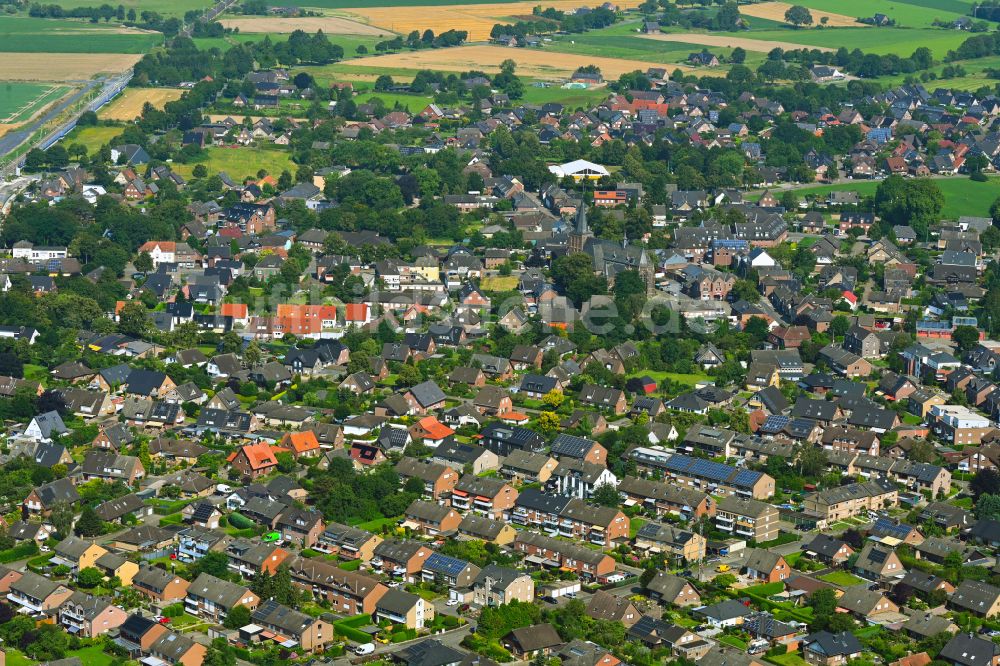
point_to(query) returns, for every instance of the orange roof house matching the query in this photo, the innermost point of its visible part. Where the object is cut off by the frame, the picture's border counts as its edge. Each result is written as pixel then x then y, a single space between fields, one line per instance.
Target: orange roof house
pixel 235 310
pixel 356 313
pixel 304 319
pixel 432 431
pixel 253 460
pixel 302 444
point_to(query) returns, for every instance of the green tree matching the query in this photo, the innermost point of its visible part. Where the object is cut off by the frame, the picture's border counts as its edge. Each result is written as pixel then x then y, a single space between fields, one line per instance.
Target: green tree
pixel 286 461
pixel 574 275
pixel 133 320
pixel 606 494
pixel 89 524
pixel 824 604
pixel 252 355
pixel 985 482
pixel 988 507
pixel 219 653
pixel 840 325
pixel 798 16
pixel 212 563
pixel 965 337
pixel 916 202
pixel 89 577
pixel 746 290
pixel 62 519
pixel 237 617
pixel 143 263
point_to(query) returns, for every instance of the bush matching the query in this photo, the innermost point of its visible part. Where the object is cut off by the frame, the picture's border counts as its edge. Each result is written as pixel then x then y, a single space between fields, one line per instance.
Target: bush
pixel 26 549
pixel 174 610
pixel 240 521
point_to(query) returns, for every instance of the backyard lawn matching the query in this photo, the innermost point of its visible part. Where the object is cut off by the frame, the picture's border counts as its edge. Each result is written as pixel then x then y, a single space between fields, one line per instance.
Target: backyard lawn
pixel 735 642
pixel 843 578
pixel 634 526
pixel 790 659
pixel 660 375
pixel 376 525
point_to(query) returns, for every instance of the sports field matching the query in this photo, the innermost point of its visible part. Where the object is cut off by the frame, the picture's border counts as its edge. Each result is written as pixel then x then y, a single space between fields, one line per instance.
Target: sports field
pixel 775 11
pixel 128 106
pixel 476 19
pixel 20 101
pixel 330 25
pixel 33 35
pixel 535 63
pixel 62 66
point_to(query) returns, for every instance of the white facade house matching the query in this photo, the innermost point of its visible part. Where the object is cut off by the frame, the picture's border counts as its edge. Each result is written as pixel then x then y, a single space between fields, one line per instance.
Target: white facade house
pixel 37 253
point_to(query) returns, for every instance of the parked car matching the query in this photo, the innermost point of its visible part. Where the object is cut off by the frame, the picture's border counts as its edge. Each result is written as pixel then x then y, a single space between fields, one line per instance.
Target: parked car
pixel 366 648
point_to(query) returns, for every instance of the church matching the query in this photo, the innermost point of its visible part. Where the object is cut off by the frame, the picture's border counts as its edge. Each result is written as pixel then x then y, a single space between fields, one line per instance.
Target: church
pixel 609 257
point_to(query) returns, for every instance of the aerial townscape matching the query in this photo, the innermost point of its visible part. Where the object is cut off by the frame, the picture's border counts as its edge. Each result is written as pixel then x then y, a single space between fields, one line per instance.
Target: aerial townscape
pixel 466 333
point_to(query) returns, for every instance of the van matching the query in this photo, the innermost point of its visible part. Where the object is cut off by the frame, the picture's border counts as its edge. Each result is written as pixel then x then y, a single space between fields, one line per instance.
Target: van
pixel 366 648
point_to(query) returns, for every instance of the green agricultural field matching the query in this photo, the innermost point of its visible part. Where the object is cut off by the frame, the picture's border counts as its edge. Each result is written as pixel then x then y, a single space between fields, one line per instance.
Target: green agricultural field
pixel 343 4
pixel 240 162
pixel 911 13
pixel 629 47
pixel 571 98
pixel 902 41
pixel 165 7
pixel 961 195
pixel 92 137
pixel 412 103
pixel 35 35
pixel 20 101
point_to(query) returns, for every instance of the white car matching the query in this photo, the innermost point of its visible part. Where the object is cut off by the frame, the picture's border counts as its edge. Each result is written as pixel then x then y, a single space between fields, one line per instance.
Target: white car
pixel 393 584
pixel 451 602
pixel 364 649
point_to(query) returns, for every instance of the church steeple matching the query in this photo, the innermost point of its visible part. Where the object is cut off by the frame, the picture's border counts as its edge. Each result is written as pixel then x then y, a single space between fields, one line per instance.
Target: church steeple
pixel 581 230
pixel 581 219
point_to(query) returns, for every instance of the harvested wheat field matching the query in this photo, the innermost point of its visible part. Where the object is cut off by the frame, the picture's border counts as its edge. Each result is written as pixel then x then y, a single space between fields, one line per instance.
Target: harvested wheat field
pixel 128 105
pixel 63 66
pixel 536 63
pixel 759 45
pixel 331 25
pixel 477 20
pixel 775 11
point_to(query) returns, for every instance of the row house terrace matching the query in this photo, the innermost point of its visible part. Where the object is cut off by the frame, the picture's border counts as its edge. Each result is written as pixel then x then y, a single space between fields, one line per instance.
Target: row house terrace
pixel 348 592
pixel 549 552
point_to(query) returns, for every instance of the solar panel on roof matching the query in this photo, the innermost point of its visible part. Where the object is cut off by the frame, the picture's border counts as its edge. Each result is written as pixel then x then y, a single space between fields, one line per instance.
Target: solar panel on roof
pixel 745 477
pixel 447 565
pixel 775 423
pixel 711 470
pixel 678 463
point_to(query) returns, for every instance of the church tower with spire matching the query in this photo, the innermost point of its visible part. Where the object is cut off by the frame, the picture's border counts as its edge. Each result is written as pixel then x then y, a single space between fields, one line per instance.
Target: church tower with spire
pixel 581 232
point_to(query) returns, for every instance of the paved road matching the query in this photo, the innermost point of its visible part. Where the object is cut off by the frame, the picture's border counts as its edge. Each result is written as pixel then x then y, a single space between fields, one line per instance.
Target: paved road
pixel 9 190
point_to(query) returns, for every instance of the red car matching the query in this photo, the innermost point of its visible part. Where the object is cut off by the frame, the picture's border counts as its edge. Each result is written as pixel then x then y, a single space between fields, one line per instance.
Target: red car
pixel 163 620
